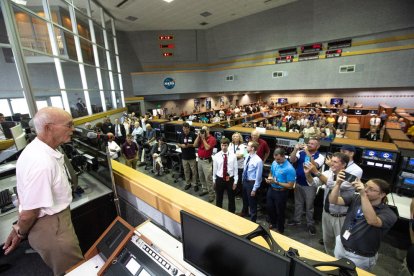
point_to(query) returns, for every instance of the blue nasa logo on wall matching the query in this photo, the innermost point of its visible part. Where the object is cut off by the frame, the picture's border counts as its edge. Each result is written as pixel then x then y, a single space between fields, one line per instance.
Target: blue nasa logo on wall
pixel 169 83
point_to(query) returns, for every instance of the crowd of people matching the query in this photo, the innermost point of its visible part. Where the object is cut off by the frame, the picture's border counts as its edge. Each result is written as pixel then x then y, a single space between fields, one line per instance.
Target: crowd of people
pixel 350 206
pixel 355 215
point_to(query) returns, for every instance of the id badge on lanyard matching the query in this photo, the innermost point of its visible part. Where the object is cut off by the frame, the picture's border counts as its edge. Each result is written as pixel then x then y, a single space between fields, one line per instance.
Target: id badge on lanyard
pixel 347 232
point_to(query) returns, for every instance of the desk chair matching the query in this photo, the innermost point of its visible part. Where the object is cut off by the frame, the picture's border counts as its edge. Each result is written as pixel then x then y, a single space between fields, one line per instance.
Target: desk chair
pixel 176 165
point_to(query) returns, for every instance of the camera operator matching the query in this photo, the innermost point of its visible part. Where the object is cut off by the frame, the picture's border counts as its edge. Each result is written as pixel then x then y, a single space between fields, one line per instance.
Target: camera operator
pixel 205 143
pixel 305 194
pixel 333 216
pixel 368 220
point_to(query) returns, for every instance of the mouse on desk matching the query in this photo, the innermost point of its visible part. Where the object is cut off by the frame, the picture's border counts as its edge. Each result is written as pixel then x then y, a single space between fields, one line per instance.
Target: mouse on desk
pixel 79 190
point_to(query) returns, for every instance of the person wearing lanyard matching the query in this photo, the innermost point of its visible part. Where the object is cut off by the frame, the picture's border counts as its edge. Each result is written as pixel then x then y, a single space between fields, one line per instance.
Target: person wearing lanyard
pixel 252 178
pixel 367 221
pixel 225 175
pixel 205 143
pixel 333 216
pixel 237 148
pixel 281 178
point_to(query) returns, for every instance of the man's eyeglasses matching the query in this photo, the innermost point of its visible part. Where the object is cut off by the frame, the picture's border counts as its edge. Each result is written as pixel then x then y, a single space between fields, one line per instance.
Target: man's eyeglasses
pixel 68 125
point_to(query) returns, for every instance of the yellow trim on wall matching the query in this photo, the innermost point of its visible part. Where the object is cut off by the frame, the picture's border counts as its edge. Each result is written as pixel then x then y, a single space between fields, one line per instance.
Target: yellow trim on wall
pixel 267 56
pixel 296 59
pixel 383 40
pixel 85 119
pixel 134 99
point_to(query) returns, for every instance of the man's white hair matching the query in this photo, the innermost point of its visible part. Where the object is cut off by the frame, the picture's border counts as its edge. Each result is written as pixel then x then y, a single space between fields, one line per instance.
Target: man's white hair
pixel 45 116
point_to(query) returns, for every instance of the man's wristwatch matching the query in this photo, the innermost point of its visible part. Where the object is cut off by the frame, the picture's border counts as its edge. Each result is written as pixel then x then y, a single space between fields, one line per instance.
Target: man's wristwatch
pixel 16 229
pixel 318 174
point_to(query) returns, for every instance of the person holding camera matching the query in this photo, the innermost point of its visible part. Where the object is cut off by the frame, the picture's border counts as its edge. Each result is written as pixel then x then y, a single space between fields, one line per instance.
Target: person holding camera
pixel 205 143
pixel 305 194
pixel 368 220
pixel 333 216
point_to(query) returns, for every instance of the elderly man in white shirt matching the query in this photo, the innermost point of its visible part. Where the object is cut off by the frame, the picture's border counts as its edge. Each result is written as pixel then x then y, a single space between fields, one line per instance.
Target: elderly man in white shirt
pixel 225 175
pixel 45 194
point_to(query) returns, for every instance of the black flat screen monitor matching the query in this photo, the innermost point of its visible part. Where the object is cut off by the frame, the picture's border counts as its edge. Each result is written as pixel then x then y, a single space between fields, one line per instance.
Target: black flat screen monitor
pixel 216 251
pixel 6 126
pixel 336 101
pixel 300 268
pixel 409 182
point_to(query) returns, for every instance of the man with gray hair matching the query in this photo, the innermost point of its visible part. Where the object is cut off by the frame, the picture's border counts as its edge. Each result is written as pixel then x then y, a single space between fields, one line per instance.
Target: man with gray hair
pixel 45 219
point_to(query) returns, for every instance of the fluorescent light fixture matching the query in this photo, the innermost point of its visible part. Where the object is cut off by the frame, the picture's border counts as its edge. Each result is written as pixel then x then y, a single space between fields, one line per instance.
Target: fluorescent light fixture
pixel 20 2
pixel 168 1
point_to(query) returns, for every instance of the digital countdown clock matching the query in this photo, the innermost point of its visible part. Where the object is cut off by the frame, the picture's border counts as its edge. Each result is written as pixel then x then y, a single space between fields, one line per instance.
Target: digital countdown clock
pixel 311 48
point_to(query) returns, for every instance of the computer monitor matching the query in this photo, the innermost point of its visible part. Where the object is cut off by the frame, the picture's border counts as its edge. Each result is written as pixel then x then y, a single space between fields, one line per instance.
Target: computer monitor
pixel 246 138
pixel 336 101
pixel 300 268
pixel 6 126
pixel 387 155
pixel 409 182
pixel 216 251
pixel 372 154
pixel 19 136
pixel 282 100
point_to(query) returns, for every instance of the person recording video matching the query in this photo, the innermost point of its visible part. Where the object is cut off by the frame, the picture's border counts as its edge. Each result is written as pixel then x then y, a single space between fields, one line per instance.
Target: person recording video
pixel 368 220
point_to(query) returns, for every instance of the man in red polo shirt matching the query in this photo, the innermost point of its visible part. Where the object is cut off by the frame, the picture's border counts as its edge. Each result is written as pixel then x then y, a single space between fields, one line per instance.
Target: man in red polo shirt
pixel 205 143
pixel 263 151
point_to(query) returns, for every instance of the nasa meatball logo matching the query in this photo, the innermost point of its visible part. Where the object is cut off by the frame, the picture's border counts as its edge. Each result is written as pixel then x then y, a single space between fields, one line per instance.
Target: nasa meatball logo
pixel 386 155
pixel 169 83
pixel 371 153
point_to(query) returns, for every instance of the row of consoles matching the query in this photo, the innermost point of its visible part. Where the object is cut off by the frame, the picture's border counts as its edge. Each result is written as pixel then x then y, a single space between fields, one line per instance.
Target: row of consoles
pixel 390 165
pixel 204 249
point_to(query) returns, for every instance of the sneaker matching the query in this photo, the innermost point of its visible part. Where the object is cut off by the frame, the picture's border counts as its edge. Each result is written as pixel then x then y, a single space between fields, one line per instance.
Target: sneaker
pixel 312 230
pixel 188 186
pixel 293 223
pixel 211 199
pixel 203 193
pixel 196 189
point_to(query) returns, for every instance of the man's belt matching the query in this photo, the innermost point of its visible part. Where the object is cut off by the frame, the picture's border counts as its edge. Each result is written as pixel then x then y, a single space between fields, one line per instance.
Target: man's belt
pixel 337 215
pixel 279 189
pixel 358 253
pixel 206 158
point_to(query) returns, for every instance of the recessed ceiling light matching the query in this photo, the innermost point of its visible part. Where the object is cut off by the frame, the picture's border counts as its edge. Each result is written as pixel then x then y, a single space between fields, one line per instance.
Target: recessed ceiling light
pixel 206 13
pixel 131 18
pixel 168 1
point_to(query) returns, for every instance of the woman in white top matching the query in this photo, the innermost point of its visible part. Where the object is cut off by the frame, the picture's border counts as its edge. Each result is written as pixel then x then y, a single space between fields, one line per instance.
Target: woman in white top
pixel 113 147
pixel 239 149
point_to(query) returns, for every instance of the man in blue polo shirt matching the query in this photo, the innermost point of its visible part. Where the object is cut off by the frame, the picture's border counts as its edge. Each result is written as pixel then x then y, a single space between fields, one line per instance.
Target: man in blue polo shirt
pixel 281 178
pixel 305 194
